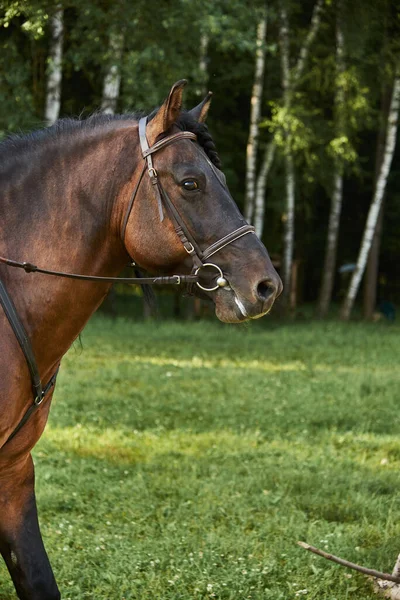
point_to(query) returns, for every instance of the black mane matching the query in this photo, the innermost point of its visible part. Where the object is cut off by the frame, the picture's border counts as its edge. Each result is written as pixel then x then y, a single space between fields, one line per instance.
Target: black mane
pixel 23 144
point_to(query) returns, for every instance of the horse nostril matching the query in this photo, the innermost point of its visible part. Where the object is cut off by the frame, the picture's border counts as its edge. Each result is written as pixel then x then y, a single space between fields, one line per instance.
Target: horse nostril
pixel 265 289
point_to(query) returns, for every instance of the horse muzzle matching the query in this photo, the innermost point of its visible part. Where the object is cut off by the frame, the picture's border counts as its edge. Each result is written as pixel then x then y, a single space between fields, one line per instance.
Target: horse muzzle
pixel 235 303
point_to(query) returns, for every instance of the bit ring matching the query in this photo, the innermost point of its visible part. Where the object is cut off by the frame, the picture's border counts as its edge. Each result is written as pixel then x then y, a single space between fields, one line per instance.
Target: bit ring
pixel 220 278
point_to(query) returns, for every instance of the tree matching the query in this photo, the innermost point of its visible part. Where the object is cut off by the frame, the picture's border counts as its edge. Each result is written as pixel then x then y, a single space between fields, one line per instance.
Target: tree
pixel 54 69
pixel 371 273
pixel 376 203
pixel 112 77
pixel 255 112
pixel 289 220
pixel 270 149
pixel 328 273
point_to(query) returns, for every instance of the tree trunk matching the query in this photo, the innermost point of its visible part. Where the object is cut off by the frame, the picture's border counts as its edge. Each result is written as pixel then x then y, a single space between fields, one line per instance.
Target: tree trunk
pixel 203 63
pixel 289 224
pixel 255 112
pixel 305 49
pixel 288 159
pixel 259 207
pixel 371 274
pixel 112 77
pixel 377 198
pixel 269 153
pixel 328 274
pixel 54 69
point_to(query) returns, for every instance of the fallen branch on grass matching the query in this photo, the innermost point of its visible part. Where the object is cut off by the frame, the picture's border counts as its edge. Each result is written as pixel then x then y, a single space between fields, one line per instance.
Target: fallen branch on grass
pixel 395 578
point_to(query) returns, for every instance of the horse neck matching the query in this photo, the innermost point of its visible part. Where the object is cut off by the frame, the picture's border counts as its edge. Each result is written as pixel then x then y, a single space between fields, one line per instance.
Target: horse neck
pixel 69 205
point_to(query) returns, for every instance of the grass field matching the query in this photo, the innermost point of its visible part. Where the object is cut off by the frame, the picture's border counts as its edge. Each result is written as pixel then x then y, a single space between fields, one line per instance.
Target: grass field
pixel 184 461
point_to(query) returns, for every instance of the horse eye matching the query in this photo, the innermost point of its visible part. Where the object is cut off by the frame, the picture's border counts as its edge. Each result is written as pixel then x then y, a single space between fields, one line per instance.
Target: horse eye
pixel 190 185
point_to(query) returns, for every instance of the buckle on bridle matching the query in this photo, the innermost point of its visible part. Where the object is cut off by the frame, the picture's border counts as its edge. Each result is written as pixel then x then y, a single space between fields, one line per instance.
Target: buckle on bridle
pixel 221 281
pixel 190 249
pixel 152 173
pixel 39 399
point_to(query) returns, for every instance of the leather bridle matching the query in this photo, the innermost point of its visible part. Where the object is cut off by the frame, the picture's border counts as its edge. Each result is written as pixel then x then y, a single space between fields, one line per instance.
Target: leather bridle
pixel 199 258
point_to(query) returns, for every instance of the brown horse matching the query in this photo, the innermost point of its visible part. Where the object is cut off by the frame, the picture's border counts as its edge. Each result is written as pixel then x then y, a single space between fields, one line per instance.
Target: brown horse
pixel 66 204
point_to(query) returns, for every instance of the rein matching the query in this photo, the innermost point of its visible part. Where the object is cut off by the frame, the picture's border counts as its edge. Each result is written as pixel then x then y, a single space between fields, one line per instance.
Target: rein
pixel 199 258
pixel 173 279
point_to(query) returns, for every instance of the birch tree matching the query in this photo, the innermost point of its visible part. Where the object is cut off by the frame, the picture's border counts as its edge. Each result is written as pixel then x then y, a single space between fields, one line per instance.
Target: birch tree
pixel 269 153
pixel 261 186
pixel 288 156
pixel 255 112
pixel 337 188
pixel 54 70
pixel 112 77
pixel 372 268
pixel 203 62
pixel 376 203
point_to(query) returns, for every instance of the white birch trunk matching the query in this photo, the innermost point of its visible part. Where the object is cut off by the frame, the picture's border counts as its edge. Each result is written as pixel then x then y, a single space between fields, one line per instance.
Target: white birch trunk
pixel 54 69
pixel 203 63
pixel 296 76
pixel 289 224
pixel 112 77
pixel 259 201
pixel 289 220
pixel 255 112
pixel 305 49
pixel 328 273
pixel 331 242
pixel 377 199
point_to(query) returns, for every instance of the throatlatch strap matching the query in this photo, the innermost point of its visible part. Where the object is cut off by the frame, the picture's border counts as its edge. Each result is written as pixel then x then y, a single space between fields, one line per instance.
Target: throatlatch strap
pixel 33 408
pixel 23 340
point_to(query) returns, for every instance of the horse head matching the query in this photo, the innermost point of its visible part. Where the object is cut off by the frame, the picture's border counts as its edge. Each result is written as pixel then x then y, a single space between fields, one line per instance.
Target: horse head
pixel 185 189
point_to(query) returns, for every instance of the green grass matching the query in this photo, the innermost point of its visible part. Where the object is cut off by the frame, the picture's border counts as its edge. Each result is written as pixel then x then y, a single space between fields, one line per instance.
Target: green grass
pixel 184 461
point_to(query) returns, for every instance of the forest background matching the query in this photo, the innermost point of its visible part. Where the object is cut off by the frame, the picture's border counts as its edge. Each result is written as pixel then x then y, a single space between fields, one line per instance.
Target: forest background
pixel 305 113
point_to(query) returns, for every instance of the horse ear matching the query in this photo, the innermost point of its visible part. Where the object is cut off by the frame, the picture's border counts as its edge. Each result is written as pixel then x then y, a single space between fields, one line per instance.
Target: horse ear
pixel 199 112
pixel 167 114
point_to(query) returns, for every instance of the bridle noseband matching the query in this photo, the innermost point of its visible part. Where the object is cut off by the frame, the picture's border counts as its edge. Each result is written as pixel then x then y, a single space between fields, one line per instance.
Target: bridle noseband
pixel 164 202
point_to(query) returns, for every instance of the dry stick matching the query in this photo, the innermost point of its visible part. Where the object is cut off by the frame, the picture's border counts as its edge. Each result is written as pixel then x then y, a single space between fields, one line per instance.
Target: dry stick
pixel 350 565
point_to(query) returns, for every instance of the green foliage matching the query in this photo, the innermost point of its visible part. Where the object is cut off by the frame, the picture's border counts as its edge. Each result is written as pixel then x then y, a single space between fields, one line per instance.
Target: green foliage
pixel 357 107
pixel 340 148
pixel 186 461
pixel 291 127
pixel 34 17
pixel 16 101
